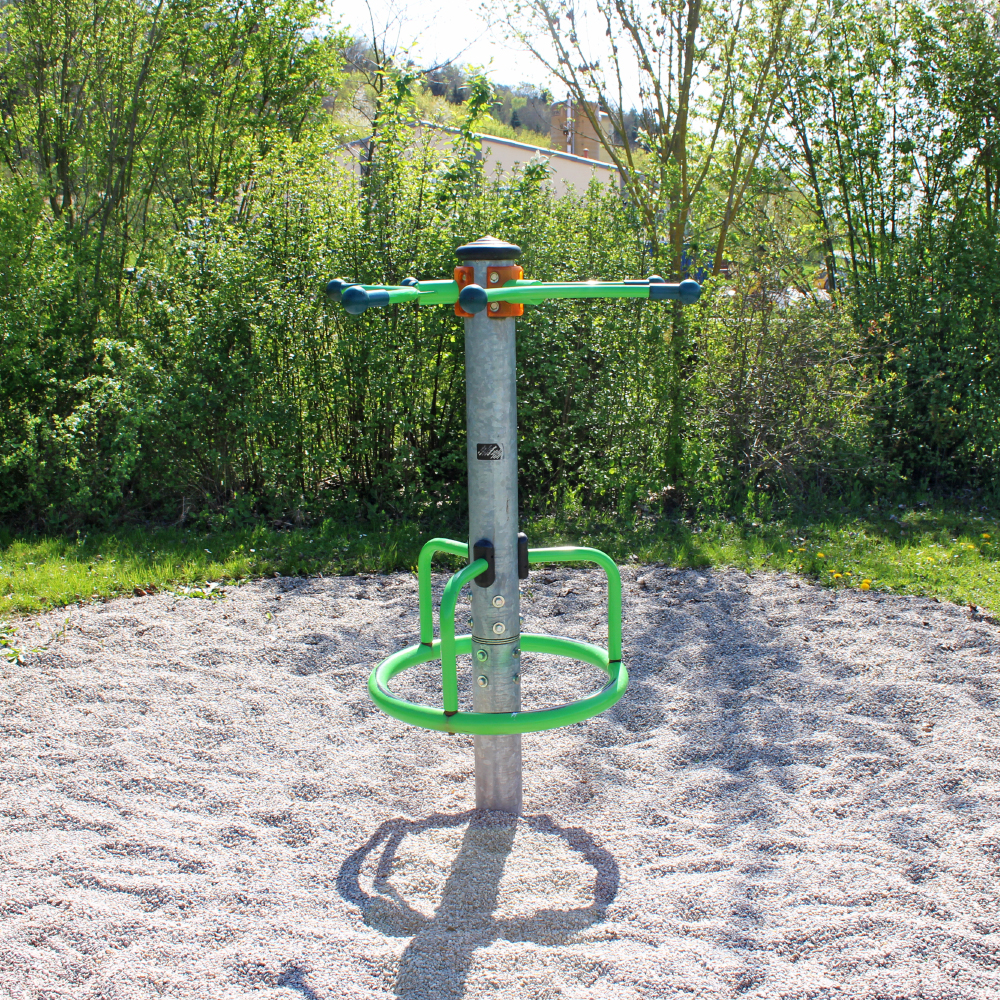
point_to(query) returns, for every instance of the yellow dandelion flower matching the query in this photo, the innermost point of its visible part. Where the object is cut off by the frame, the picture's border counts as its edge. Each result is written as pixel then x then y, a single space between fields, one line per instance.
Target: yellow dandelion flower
pixel 986 534
pixel 820 555
pixel 791 552
pixel 837 576
pixel 848 574
pixel 866 584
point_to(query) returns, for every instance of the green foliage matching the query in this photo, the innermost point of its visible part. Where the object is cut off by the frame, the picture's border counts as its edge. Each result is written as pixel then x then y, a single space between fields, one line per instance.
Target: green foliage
pixel 121 123
pixel 174 199
pixel 938 344
pixel 893 120
pixel 777 408
pixel 931 302
pixel 232 389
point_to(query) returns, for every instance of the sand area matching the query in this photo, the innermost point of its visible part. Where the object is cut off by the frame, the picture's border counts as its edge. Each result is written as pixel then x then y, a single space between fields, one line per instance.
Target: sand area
pixel 798 797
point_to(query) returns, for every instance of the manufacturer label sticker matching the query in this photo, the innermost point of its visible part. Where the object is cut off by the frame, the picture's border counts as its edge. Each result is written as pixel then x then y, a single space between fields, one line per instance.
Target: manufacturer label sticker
pixel 489 452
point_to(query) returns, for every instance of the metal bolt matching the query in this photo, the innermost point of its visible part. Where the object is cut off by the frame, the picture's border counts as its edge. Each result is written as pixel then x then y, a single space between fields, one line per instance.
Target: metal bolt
pixel 484 681
pixel 517 652
pixel 494 277
pixel 494 307
pixel 517 678
pixel 472 622
pixel 498 628
pixel 498 601
pixel 522 619
pixel 482 655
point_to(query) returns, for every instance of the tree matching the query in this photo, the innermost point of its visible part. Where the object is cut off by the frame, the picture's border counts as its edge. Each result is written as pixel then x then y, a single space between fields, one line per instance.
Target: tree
pixel 703 76
pixel 105 104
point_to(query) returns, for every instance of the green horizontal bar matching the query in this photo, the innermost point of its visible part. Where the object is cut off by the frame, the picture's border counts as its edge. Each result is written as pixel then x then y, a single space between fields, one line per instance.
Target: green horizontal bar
pixel 533 295
pixel 498 723
pixel 428 293
pixel 400 295
pixel 521 290
pixel 438 293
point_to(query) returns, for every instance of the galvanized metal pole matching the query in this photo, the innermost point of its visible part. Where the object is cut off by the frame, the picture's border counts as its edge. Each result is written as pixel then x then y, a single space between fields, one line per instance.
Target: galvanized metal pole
pixel 491 419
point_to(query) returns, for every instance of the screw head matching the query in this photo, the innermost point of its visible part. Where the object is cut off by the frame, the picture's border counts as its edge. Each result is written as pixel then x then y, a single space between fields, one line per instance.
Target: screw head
pixel 494 307
pixel 483 681
pixel 482 655
pixel 494 277
pixel 498 628
pixel 517 678
pixel 498 601
pixel 516 652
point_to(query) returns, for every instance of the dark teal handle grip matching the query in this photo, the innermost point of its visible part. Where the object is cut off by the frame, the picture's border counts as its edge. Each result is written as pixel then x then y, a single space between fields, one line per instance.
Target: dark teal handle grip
pixel 472 298
pixel 336 288
pixel 356 299
pixel 687 292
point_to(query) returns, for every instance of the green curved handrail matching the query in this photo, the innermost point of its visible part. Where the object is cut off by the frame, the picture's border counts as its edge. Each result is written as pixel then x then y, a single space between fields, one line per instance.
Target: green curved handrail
pixel 427 553
pixel 498 723
pixel 449 676
pixel 449 718
pixel 581 553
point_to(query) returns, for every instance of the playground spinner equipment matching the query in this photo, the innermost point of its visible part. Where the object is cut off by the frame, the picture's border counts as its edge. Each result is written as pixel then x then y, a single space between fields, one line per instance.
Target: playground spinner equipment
pixel 489 290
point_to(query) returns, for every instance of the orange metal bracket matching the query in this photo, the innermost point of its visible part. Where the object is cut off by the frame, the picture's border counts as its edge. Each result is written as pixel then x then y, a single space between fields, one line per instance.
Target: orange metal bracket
pixel 497 277
pixel 464 276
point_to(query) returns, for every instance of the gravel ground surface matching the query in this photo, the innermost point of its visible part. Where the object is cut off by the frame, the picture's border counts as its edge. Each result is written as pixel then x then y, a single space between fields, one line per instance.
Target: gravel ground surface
pixel 799 796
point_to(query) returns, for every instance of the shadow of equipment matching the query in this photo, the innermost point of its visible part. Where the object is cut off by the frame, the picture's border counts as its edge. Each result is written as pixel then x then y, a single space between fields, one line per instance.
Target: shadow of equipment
pixel 437 960
pixel 294 978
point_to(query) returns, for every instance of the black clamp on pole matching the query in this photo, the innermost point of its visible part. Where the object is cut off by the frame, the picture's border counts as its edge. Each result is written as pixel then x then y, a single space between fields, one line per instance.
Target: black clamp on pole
pixel 483 549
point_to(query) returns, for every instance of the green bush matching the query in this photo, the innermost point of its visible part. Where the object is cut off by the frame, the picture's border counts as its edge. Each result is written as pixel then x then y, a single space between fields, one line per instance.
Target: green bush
pixel 167 352
pixel 228 386
pixel 937 335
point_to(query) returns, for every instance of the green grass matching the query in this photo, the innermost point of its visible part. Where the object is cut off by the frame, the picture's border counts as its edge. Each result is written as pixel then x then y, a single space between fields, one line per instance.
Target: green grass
pixel 931 551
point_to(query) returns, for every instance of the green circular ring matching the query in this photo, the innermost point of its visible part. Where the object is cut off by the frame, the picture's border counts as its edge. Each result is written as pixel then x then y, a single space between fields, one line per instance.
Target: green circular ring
pixel 498 723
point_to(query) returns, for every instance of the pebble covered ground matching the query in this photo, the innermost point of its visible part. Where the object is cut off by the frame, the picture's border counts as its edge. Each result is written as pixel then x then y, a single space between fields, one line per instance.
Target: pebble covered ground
pixel 799 796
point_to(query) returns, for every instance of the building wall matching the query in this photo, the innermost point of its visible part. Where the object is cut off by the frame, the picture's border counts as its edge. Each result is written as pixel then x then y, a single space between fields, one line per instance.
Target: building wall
pixel 574 133
pixel 566 172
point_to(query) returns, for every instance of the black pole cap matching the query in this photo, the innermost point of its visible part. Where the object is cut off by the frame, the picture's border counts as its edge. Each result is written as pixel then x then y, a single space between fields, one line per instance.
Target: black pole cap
pixel 488 248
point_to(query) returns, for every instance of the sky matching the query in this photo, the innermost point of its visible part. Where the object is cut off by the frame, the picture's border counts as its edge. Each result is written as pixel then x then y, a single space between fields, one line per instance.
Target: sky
pixel 438 32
